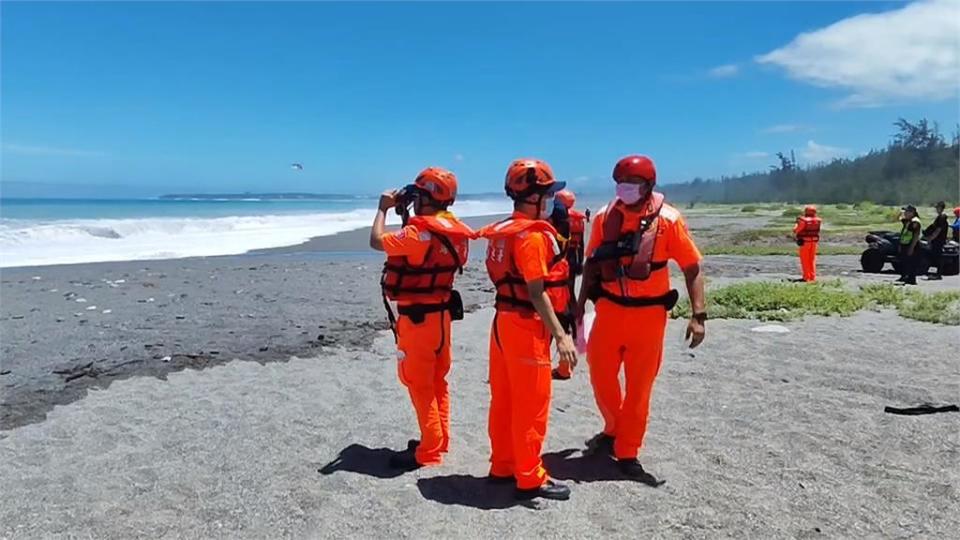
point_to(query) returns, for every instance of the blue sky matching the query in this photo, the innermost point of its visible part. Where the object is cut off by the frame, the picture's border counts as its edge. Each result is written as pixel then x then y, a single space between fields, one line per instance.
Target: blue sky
pixel 141 99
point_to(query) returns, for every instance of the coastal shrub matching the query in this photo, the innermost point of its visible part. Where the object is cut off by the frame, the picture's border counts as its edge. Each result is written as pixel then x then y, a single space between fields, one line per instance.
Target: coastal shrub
pixel 782 249
pixel 783 301
pixel 938 307
pixel 777 301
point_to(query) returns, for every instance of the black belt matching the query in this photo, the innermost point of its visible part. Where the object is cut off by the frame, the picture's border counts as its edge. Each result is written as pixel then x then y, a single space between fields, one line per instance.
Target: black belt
pixel 667 300
pixel 418 312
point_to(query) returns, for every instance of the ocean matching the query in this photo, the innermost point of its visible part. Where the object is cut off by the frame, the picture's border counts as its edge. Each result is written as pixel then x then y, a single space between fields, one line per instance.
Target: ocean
pixel 36 232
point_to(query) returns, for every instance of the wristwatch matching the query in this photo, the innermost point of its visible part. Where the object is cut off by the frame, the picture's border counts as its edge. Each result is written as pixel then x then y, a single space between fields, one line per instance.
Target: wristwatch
pixel 699 317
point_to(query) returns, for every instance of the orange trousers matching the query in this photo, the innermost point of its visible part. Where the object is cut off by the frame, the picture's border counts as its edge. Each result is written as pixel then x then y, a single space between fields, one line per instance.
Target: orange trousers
pixel 423 351
pixel 564 369
pixel 808 260
pixel 520 389
pixel 631 338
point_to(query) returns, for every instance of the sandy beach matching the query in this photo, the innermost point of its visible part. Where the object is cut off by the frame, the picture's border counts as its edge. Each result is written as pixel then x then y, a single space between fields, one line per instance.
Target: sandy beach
pixel 256 396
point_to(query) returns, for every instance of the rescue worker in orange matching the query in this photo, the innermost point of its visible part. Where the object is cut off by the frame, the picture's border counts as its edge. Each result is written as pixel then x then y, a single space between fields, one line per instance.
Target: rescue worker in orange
pixel 525 261
pixel 578 222
pixel 573 229
pixel 807 234
pixel 423 259
pixel 627 278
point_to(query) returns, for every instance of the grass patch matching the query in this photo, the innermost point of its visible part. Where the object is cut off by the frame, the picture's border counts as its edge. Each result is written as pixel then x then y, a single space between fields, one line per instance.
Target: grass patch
pixel 776 301
pixel 780 301
pixel 939 307
pixel 791 249
pixel 883 294
pixel 840 216
pixel 754 235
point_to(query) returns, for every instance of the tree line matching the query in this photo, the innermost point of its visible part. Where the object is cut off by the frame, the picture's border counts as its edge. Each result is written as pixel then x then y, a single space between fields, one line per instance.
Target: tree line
pixel 918 166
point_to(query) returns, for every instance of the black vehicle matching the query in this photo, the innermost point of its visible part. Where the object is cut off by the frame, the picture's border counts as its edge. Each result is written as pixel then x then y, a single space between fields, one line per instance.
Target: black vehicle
pixel 884 248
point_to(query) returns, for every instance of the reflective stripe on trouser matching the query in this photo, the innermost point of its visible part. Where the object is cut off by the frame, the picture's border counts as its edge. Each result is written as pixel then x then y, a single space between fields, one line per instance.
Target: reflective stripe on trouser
pixel 808 260
pixel 520 387
pixel 422 368
pixel 631 338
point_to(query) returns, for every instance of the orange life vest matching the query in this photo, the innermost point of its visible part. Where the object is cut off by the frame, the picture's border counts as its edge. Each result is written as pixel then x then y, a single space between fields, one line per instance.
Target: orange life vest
pixel 626 253
pixel 512 293
pixel 810 229
pixel 577 228
pixel 432 281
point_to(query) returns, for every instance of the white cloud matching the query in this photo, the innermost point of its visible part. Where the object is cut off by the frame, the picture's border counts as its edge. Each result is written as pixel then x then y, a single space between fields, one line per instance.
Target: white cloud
pixel 908 54
pixel 580 180
pixel 49 151
pixel 458 157
pixel 754 154
pixel 818 153
pixel 724 71
pixel 785 128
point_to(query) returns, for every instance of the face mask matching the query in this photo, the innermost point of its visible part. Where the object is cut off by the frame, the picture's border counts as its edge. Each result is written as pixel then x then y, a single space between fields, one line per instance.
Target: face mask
pixel 628 193
pixel 546 208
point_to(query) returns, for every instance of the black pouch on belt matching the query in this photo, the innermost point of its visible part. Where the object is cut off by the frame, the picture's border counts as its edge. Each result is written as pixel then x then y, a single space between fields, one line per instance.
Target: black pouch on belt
pixel 456 306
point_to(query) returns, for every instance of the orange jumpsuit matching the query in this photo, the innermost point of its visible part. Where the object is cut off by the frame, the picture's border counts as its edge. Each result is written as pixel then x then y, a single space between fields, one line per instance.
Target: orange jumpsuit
pixel 520 380
pixel 632 337
pixel 804 230
pixel 423 349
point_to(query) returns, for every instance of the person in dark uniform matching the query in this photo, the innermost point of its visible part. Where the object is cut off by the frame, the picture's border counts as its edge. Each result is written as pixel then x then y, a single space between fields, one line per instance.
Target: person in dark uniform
pixel 936 235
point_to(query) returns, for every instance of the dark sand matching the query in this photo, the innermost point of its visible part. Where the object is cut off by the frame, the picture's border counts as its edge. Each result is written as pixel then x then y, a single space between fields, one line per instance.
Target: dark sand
pixel 757 435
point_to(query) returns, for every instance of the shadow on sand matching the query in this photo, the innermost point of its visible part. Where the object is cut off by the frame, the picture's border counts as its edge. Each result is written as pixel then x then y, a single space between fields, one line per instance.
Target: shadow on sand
pixel 590 467
pixel 465 490
pixel 360 459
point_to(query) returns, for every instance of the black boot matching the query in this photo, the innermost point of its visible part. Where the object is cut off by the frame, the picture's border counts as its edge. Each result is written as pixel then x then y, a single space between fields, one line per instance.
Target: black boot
pixel 404 461
pixel 601 443
pixel 632 469
pixel 549 490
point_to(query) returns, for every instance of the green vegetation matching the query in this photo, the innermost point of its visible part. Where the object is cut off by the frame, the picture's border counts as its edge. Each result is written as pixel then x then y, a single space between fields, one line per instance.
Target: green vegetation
pixel 775 301
pixel 779 301
pixel 863 215
pixel 939 307
pixel 785 249
pixel 917 167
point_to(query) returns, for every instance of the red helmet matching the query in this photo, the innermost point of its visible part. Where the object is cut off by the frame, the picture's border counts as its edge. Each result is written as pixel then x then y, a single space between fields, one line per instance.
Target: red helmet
pixel 956 211
pixel 636 167
pixel 810 210
pixel 567 198
pixel 440 184
pixel 528 176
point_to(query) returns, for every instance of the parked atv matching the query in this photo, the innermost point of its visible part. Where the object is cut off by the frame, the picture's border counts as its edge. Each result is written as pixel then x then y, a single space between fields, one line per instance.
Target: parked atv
pixel 884 248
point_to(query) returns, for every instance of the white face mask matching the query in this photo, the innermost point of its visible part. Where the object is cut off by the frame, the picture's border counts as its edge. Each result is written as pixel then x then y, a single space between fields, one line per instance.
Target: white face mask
pixel 628 193
pixel 546 207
